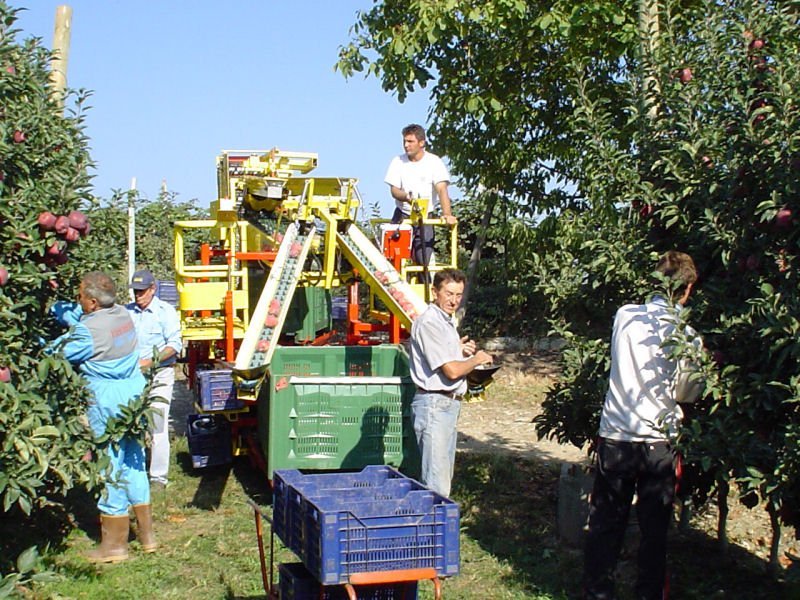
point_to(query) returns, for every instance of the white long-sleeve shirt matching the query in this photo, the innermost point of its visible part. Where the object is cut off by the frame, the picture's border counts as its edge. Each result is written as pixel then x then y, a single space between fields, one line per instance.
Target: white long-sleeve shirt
pixel 640 404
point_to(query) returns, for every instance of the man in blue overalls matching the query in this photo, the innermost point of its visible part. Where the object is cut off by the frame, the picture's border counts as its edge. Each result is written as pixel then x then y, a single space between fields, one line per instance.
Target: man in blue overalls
pixel 102 343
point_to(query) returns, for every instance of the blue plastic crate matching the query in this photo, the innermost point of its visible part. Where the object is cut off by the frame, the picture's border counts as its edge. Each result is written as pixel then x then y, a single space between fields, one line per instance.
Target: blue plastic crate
pixel 216 391
pixel 289 486
pixel 296 583
pixel 167 291
pixel 392 489
pixel 343 537
pixel 209 438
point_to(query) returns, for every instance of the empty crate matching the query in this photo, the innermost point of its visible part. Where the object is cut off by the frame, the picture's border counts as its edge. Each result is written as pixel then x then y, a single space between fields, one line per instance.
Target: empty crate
pixel 291 490
pixel 380 525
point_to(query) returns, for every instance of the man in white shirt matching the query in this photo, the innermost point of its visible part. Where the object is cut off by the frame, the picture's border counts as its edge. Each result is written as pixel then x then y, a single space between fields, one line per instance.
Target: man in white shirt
pixel 640 418
pixel 158 330
pixel 414 174
pixel 440 363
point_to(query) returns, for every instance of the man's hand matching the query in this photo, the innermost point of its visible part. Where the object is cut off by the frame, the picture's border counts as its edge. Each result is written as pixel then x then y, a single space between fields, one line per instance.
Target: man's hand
pixel 450 219
pixel 483 358
pixel 468 346
pixel 145 364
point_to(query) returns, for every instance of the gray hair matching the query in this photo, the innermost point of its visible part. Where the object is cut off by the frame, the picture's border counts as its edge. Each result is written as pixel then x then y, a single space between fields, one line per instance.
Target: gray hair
pixel 101 287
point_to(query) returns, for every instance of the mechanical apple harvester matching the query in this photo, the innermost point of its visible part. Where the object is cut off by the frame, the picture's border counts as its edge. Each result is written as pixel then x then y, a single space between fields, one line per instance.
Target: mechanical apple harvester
pixel 277 378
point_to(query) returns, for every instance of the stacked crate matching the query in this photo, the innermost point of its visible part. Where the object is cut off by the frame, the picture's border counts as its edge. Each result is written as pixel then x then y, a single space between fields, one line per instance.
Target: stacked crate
pixel 216 391
pixel 167 291
pixel 337 407
pixel 209 438
pixel 376 520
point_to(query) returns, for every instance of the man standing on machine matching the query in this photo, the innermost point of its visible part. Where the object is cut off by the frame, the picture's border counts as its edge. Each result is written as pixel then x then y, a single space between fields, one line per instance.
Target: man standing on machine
pixel 417 174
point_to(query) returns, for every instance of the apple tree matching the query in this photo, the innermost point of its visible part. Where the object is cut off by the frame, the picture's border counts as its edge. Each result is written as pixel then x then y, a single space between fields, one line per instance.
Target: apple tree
pixel 621 130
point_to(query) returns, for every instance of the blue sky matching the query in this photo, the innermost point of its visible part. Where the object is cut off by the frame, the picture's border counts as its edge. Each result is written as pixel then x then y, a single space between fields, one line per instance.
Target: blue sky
pixel 176 81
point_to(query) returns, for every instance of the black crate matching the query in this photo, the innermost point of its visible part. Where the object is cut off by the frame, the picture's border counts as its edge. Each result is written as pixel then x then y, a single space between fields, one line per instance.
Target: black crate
pixel 296 583
pixel 209 439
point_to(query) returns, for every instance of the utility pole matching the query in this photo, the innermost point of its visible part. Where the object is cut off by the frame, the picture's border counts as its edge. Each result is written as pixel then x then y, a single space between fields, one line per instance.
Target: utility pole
pixel 132 232
pixel 58 64
pixel 649 34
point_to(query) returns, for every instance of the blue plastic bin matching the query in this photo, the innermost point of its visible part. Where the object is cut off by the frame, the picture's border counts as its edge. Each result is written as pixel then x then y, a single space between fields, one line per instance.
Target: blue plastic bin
pixel 296 583
pixel 167 291
pixel 392 489
pixel 290 485
pixel 216 391
pixel 343 536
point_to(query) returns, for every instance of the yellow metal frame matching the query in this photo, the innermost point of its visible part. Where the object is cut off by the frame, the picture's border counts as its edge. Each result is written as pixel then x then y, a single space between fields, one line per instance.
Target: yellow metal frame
pixel 202 289
pixel 273 180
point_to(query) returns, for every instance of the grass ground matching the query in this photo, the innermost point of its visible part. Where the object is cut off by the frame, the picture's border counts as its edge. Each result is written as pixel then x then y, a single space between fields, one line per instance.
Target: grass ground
pixel 509 546
pixel 509 549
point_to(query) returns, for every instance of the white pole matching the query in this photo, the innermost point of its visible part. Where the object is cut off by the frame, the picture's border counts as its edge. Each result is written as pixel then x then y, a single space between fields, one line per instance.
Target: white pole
pixel 58 65
pixel 131 232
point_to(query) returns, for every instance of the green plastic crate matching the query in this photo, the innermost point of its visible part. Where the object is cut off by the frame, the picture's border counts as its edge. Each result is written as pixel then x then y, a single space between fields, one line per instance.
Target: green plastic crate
pixel 309 313
pixel 337 407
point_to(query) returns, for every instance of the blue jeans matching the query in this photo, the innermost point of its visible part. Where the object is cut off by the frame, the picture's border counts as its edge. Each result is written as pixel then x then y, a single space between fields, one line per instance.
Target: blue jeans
pixel 435 422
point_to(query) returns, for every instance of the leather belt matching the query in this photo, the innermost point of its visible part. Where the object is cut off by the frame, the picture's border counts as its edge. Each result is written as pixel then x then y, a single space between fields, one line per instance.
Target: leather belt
pixel 453 395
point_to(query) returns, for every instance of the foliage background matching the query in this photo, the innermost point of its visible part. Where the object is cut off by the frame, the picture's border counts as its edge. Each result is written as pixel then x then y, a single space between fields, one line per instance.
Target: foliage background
pixel 615 131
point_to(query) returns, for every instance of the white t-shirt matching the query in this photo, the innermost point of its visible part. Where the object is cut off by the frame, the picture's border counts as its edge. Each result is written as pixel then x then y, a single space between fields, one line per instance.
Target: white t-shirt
pixel 418 177
pixel 640 402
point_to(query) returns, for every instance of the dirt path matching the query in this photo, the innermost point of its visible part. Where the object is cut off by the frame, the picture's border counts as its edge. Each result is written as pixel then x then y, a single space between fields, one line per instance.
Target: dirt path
pixel 502 421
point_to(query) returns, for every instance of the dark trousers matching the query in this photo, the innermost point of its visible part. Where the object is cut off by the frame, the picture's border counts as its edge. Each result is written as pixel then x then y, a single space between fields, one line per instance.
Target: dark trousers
pixel 622 468
pixel 422 239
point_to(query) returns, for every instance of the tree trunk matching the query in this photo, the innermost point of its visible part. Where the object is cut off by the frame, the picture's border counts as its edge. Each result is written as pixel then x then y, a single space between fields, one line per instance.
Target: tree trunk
pixel 472 268
pixel 649 31
pixel 774 566
pixel 722 520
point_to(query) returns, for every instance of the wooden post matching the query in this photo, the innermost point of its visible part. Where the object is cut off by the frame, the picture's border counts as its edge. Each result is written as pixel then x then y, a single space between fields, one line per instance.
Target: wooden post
pixel 649 34
pixel 131 233
pixel 58 65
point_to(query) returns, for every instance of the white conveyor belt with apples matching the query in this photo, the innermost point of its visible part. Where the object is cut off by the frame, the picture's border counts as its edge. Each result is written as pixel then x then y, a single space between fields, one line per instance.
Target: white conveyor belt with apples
pixel 266 323
pixel 399 297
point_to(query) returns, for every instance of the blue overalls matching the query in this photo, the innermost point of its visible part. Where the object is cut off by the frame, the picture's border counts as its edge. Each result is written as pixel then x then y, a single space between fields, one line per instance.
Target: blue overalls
pixel 103 346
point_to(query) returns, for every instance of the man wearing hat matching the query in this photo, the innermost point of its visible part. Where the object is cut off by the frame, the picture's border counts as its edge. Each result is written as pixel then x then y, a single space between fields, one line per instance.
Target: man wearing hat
pixel 159 332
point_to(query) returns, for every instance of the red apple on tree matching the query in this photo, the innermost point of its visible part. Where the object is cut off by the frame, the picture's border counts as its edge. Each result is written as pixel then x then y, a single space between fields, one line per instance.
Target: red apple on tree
pixel 47 220
pixel 72 235
pixel 19 137
pixel 3 276
pixel 54 249
pixel 686 75
pixel 61 225
pixel 783 219
pixel 77 220
pixel 5 374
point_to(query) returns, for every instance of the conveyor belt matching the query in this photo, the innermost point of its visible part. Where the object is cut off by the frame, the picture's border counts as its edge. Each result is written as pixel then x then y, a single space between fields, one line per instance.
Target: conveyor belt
pixel 266 323
pixel 396 293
